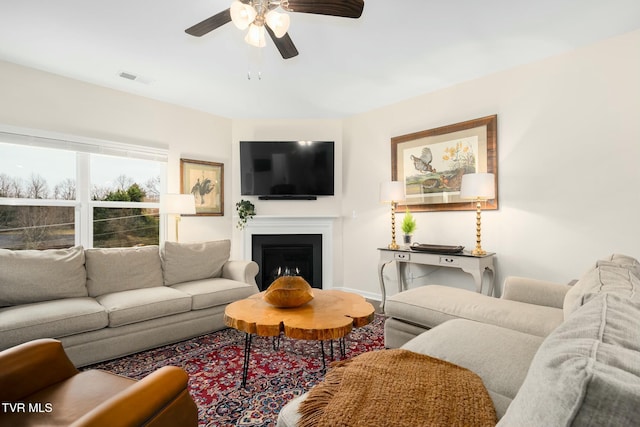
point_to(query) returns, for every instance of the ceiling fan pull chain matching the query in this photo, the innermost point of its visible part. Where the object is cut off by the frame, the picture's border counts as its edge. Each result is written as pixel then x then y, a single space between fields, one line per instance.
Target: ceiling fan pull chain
pixel 259 73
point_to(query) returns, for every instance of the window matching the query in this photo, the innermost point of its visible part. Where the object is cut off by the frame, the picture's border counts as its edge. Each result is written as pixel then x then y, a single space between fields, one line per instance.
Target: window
pixel 65 191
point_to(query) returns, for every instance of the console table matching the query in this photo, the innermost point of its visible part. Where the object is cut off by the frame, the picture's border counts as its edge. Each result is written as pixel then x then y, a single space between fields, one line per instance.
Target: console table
pixel 471 264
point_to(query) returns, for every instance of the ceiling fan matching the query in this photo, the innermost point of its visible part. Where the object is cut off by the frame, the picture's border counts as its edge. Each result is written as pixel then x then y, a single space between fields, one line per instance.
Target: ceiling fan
pixel 261 15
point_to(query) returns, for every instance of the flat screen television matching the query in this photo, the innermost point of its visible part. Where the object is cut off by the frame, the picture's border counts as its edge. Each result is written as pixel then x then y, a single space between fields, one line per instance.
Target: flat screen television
pixel 287 169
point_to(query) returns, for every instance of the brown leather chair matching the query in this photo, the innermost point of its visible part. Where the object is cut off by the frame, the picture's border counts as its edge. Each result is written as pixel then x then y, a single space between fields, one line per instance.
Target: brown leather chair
pixel 39 386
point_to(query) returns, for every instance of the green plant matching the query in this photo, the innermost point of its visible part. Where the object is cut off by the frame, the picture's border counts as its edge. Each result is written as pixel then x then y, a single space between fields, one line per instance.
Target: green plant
pixel 408 223
pixel 246 211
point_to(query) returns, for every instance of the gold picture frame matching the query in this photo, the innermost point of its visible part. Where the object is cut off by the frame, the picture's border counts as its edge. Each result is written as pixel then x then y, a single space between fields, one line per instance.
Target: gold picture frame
pixel 431 164
pixel 205 180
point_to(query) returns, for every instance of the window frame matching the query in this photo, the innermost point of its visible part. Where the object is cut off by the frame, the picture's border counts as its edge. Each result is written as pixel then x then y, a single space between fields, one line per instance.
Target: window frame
pixel 84 148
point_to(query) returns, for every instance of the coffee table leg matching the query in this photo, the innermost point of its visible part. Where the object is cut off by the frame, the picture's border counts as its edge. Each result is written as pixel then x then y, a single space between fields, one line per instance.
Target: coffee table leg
pixel 245 364
pixel 324 364
pixel 343 347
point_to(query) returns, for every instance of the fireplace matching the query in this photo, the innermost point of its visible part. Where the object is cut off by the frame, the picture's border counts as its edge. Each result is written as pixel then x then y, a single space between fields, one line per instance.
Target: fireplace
pixel 316 231
pixel 291 254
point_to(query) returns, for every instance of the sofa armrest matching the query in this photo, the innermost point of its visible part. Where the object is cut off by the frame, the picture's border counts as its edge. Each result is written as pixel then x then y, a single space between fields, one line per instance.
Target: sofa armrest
pixel 241 271
pixel 32 366
pixel 533 291
pixel 159 399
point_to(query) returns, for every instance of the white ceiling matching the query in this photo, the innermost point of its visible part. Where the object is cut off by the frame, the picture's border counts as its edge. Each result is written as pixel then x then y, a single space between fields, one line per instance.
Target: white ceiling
pixel 397 49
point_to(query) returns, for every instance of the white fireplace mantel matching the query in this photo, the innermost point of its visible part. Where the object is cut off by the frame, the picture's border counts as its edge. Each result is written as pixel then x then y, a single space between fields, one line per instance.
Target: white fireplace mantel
pixel 323 225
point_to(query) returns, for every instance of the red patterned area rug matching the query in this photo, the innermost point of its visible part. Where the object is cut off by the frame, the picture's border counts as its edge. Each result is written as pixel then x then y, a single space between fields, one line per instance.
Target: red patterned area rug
pixel 214 365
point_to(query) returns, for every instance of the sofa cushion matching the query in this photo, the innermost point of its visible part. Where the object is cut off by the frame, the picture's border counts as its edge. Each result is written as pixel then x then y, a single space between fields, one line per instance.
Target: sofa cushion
pixel 184 262
pixel 213 292
pixel 138 305
pixel 29 276
pixel 506 354
pixel 432 305
pixel 50 319
pixel 120 269
pixel 587 372
pixel 606 277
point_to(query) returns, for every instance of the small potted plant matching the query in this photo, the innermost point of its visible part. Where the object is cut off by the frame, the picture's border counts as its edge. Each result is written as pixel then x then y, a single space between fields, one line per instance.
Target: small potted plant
pixel 246 210
pixel 408 226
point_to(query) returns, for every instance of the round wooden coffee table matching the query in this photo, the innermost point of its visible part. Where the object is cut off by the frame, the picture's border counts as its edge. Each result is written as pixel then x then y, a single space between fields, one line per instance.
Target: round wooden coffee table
pixel 330 315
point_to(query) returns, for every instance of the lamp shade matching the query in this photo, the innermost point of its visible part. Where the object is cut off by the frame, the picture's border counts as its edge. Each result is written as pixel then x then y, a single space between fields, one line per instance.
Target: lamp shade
pixel 391 191
pixel 242 14
pixel 180 204
pixel 278 22
pixel 255 36
pixel 478 186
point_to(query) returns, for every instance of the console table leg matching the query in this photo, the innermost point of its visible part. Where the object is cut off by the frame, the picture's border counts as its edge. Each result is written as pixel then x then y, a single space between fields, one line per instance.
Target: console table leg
pixel 383 291
pixel 245 363
pixel 492 281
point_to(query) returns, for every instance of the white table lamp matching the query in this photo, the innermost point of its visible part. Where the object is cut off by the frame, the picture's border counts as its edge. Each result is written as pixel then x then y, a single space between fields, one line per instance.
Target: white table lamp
pixel 177 204
pixel 480 187
pixel 392 192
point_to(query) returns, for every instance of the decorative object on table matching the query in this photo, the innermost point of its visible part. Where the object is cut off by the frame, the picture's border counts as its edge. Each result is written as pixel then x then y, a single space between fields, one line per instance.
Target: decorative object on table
pixel 408 226
pixel 431 163
pixel 177 204
pixel 480 187
pixel 288 291
pixel 258 17
pixel 437 249
pixel 392 192
pixel 205 180
pixel 246 210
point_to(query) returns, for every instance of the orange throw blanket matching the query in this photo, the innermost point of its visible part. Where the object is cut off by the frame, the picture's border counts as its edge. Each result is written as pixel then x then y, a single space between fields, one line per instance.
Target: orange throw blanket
pixel 397 388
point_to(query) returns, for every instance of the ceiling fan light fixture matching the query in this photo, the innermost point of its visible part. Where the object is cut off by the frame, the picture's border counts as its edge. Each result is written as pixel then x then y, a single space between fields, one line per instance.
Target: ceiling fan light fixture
pixel 242 15
pixel 278 22
pixel 255 36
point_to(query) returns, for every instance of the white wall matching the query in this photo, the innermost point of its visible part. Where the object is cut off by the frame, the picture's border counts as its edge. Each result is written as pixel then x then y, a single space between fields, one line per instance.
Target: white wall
pixel 568 147
pixel 33 99
pixel 293 130
pixel 568 150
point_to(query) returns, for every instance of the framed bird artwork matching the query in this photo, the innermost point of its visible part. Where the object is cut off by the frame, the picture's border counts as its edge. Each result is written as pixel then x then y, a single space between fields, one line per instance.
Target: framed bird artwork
pixel 431 163
pixel 205 180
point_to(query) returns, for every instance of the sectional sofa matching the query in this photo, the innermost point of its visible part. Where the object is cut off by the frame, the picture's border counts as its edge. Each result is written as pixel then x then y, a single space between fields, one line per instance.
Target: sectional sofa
pixel 548 354
pixel 107 303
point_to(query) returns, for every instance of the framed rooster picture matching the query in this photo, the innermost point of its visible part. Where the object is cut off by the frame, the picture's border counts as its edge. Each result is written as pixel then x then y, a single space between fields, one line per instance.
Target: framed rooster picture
pixel 431 164
pixel 205 180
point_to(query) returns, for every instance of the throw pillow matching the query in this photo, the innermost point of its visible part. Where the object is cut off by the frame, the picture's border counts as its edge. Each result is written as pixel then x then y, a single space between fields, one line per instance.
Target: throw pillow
pixel 122 269
pixel 28 276
pixel 605 278
pixel 622 261
pixel 185 262
pixel 586 372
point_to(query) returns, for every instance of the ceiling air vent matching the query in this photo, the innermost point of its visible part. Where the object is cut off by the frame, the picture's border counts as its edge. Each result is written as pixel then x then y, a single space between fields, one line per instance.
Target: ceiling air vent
pixel 134 77
pixel 128 76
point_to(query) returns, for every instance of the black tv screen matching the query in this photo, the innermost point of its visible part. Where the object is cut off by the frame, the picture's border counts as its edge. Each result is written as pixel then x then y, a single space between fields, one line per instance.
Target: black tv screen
pixel 287 168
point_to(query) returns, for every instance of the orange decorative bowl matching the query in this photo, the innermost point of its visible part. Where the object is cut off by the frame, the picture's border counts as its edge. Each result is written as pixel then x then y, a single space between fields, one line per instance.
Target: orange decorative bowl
pixel 288 291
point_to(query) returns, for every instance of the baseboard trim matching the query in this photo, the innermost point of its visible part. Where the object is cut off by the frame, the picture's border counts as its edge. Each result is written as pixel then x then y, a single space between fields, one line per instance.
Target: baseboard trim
pixel 367 295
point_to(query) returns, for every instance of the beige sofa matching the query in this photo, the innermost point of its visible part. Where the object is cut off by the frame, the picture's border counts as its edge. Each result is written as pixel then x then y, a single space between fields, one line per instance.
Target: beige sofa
pixel 106 303
pixel 549 355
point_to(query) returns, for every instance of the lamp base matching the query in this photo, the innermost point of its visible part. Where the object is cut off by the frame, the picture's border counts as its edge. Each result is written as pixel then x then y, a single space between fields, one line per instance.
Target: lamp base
pixel 177 226
pixel 478 252
pixel 393 246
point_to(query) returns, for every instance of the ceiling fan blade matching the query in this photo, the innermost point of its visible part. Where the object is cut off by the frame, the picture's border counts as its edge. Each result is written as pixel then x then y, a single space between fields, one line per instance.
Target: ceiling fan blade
pixel 342 8
pixel 284 44
pixel 210 24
